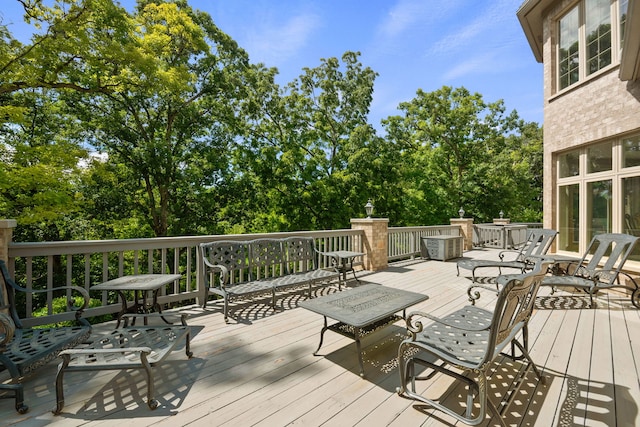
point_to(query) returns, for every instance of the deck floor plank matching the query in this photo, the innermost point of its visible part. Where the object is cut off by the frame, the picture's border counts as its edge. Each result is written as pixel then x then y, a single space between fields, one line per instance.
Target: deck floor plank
pixel 259 369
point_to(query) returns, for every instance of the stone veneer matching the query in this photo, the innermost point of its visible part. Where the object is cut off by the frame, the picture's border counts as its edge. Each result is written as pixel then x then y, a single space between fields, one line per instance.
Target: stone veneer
pixel 375 243
pixel 599 108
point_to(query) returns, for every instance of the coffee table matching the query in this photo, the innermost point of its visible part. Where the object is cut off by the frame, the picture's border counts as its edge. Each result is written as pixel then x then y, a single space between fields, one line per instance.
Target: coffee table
pixel 362 310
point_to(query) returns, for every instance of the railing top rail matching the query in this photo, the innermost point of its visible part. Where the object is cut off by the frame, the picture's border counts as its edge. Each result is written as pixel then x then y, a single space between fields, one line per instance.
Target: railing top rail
pixel 71 247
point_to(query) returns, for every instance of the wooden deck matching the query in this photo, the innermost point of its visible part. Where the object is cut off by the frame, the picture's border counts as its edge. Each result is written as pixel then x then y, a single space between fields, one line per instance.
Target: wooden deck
pixel 261 371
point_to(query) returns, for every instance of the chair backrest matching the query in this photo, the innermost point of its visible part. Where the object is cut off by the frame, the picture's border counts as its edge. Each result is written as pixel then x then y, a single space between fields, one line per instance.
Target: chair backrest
pixel 538 243
pixel 8 295
pixel 615 246
pixel 514 307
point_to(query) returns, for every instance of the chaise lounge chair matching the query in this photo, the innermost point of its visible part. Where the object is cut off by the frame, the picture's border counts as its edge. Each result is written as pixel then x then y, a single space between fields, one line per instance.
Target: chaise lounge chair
pixel 537 244
pixel 609 249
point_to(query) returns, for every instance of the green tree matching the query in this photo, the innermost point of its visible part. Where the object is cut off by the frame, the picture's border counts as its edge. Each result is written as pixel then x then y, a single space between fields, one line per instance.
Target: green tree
pixel 455 154
pixel 173 117
pixel 307 144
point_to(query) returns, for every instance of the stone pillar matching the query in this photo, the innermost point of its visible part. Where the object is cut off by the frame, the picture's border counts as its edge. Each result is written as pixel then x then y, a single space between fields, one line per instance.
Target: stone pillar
pixel 466 227
pixel 375 243
pixel 6 234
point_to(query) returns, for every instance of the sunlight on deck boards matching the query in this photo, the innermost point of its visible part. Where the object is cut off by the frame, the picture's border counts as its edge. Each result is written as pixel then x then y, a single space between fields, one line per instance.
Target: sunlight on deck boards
pixel 260 370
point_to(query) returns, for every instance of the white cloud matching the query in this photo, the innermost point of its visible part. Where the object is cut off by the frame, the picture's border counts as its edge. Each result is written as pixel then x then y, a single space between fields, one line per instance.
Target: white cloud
pixel 408 13
pixel 475 65
pixel 493 17
pixel 277 42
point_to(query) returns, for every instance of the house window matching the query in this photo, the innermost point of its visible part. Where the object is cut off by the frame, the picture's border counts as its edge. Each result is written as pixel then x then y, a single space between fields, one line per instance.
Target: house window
pixel 599 215
pixel 598 191
pixel 568 62
pixel 598 32
pixel 569 164
pixel 585 42
pixel 599 158
pixel 624 5
pixel 631 152
pixel 569 218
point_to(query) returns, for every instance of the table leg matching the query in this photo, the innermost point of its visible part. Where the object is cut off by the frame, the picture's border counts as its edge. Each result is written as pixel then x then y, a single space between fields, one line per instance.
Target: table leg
pixel 356 335
pixel 324 328
pixel 124 309
pixel 353 271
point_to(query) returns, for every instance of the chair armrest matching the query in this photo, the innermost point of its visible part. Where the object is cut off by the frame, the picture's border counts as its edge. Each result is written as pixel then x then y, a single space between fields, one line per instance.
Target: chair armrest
pixel 8 329
pixel 474 295
pixel 70 301
pixel 501 254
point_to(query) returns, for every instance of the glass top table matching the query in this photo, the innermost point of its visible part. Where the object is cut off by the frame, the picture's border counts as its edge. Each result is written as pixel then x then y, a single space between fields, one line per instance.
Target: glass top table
pixel 362 310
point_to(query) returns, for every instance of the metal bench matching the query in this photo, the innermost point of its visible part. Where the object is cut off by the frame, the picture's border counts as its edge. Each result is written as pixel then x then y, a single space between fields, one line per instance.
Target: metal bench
pixel 135 347
pixel 24 350
pixel 244 269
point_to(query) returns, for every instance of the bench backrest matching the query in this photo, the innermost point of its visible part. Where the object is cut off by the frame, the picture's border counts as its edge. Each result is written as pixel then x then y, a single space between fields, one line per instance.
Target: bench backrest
pixel 301 254
pixel 232 255
pixel 266 259
pixel 260 258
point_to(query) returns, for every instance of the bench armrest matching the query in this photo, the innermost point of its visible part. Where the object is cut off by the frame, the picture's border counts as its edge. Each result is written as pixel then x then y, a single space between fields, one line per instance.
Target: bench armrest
pixel 216 268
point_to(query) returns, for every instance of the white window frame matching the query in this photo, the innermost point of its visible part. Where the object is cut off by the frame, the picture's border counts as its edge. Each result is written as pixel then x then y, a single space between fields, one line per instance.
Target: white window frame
pixel 616 175
pixel 616 45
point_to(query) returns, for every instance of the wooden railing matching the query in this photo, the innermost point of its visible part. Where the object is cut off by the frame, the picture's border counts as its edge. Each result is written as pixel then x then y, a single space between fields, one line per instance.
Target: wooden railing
pixel 85 263
pixel 499 236
pixel 48 265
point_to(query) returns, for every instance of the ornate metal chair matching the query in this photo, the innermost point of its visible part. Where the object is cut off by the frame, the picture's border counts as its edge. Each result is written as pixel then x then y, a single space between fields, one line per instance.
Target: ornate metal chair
pixel 467 341
pixel 600 267
pixel 23 350
pixel 538 243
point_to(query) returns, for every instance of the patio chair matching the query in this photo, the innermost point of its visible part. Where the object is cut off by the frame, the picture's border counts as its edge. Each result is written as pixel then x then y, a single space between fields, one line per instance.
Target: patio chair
pixel 465 343
pixel 537 244
pixel 24 350
pixel 600 267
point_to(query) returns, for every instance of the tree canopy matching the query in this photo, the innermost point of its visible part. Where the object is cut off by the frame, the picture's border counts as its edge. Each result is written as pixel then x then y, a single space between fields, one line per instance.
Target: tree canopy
pixel 154 122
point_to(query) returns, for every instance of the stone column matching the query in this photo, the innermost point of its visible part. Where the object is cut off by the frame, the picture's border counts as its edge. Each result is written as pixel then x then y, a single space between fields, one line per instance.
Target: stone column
pixel 6 234
pixel 466 227
pixel 501 221
pixel 375 243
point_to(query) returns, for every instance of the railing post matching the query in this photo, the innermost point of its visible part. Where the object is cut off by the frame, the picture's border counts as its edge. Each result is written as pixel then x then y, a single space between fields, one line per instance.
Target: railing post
pixel 375 242
pixel 6 235
pixel 466 225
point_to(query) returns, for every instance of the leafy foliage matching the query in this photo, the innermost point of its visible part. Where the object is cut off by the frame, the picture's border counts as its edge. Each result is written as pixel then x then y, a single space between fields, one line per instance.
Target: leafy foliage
pixel 118 124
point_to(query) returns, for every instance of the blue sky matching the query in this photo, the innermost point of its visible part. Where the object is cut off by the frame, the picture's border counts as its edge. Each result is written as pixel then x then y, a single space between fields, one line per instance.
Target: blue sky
pixel 411 44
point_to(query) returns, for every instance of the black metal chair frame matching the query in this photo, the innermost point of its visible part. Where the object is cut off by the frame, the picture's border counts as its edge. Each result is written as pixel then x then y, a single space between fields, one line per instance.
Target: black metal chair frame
pixel 465 343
